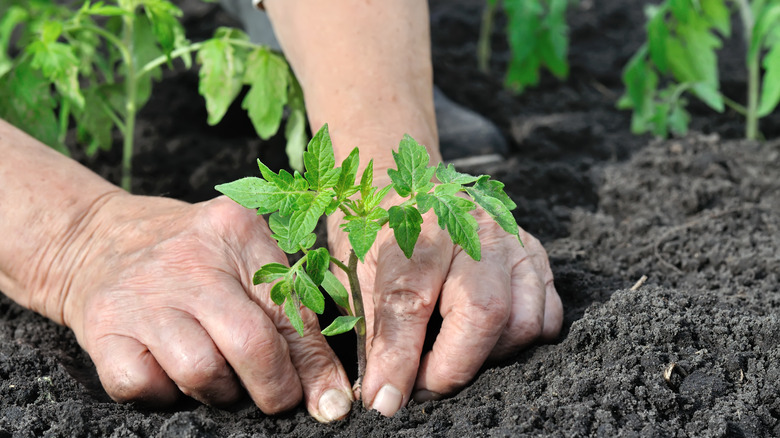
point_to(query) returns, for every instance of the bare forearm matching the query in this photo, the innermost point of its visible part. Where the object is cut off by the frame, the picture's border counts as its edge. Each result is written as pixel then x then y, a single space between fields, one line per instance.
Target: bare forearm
pixel 365 68
pixel 45 201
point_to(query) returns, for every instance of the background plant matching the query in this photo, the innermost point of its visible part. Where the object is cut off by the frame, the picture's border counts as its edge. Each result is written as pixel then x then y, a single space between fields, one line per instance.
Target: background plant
pixel 680 58
pixel 296 202
pixel 94 67
pixel 538 37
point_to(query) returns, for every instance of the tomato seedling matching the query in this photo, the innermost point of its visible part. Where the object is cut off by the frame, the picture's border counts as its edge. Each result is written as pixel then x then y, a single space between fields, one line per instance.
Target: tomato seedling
pixel 296 202
pixel 537 34
pixel 102 59
pixel 680 57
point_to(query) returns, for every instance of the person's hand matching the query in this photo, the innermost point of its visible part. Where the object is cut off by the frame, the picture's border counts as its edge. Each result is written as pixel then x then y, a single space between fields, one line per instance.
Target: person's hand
pixel 490 308
pixel 162 300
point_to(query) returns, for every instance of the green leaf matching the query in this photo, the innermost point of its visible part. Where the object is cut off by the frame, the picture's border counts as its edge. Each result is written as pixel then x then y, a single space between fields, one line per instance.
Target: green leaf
pixel 280 225
pixel 281 291
pixel 9 21
pixel 317 264
pixel 319 161
pixel 406 224
pixel 268 75
pixel 454 216
pixel 413 174
pixel 340 325
pixel 770 88
pixel 718 14
pixel 270 272
pixel 252 192
pixel 362 234
pixel 29 105
pixel 345 187
pixel 336 290
pixel 308 292
pixel 367 180
pixel 221 75
pixel 94 125
pixel 448 174
pixel 165 25
pixel 293 313
pixel 489 195
pixel 304 220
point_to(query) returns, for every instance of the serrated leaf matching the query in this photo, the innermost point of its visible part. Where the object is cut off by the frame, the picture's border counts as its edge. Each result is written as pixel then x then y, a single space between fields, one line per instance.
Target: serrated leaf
pixel 447 189
pixel 489 195
pixel 406 224
pixel 270 272
pixel 304 219
pixel 341 324
pixel 448 174
pixel 372 201
pixel 221 75
pixel 280 291
pixel 293 313
pixel 252 192
pixel 367 180
pixel 317 264
pixel 268 75
pixel 29 104
pixel 319 161
pixel 280 225
pixel 308 292
pixel 165 25
pixel 362 234
pixel 454 216
pixel 345 187
pixel 412 175
pixel 94 125
pixel 336 290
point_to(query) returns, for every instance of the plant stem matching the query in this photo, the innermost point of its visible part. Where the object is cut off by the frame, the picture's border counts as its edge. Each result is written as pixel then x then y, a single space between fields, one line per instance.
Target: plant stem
pixel 357 302
pixel 751 128
pixel 130 109
pixel 754 72
pixel 485 30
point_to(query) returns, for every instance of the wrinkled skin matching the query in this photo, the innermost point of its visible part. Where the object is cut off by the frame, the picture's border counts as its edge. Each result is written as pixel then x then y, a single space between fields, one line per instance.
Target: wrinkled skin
pixel 164 303
pixel 490 309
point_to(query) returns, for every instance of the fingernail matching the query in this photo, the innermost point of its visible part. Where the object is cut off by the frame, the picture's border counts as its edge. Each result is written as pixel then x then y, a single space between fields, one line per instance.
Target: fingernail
pixel 334 405
pixel 424 395
pixel 388 400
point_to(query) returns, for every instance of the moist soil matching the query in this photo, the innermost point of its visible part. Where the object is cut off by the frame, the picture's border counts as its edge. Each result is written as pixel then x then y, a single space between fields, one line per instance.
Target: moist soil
pixel 693 351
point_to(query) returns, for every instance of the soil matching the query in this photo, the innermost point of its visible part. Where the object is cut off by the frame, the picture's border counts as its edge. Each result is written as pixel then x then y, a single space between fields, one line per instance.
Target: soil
pixel 691 352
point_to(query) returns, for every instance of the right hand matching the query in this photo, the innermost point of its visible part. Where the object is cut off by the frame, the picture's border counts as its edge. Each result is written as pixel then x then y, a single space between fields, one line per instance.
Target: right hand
pixel 161 298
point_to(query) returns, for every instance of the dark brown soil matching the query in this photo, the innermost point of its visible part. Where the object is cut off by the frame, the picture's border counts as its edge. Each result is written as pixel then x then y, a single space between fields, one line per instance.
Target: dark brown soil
pixel 699 216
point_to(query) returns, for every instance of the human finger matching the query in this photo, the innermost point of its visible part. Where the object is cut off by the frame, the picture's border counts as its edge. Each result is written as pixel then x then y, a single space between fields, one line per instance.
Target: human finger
pixel 129 372
pixel 187 354
pixel 474 305
pixel 404 296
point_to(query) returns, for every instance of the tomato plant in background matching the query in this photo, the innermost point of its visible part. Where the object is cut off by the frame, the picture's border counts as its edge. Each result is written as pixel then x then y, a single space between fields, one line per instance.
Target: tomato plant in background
pixel 296 202
pixel 537 34
pixel 94 67
pixel 680 58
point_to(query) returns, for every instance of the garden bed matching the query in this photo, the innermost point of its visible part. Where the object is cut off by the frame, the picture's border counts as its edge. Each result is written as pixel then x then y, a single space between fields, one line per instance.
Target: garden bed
pixel 691 352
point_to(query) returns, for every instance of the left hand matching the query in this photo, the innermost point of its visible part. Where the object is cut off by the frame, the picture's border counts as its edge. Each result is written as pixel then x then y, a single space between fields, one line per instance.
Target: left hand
pixel 490 309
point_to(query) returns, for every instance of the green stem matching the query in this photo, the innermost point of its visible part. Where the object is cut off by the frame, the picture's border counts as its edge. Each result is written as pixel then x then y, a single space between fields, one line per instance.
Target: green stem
pixel 751 128
pixel 485 30
pixel 357 302
pixel 754 71
pixel 130 104
pixel 736 106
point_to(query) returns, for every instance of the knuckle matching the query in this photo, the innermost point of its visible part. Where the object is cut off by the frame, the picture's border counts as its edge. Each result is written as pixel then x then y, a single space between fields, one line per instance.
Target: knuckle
pixel 124 386
pixel 404 305
pixel 485 313
pixel 523 330
pixel 194 375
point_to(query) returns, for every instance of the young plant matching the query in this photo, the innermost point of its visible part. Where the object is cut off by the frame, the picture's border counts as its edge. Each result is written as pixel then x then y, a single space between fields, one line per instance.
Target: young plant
pixel 538 37
pixel 296 202
pixel 680 58
pixel 101 60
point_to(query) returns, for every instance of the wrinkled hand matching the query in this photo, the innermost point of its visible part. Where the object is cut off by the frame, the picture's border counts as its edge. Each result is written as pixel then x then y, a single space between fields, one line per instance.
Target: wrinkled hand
pixel 490 308
pixel 163 303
